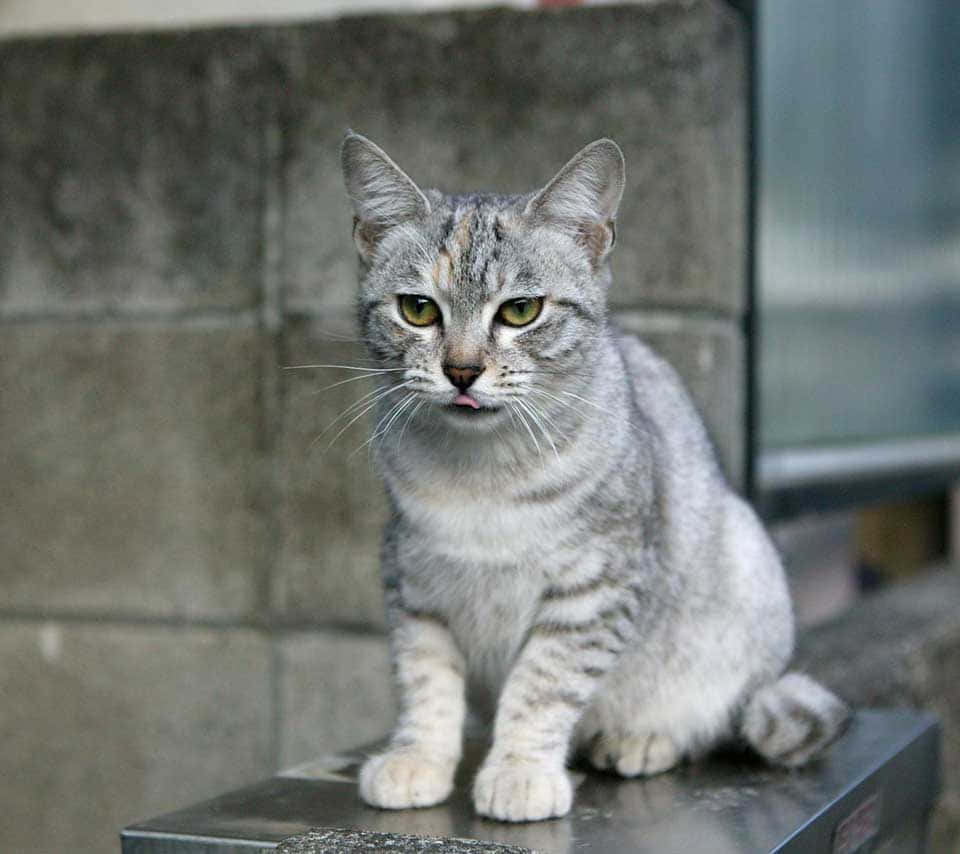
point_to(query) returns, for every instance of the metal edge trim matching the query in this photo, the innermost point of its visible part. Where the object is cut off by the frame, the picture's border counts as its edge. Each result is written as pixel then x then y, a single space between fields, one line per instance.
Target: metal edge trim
pixel 925 739
pixel 795 467
pixel 173 836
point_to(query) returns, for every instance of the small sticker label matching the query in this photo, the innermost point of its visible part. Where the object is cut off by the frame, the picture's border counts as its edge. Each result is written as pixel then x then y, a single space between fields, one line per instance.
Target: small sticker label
pixel 859 827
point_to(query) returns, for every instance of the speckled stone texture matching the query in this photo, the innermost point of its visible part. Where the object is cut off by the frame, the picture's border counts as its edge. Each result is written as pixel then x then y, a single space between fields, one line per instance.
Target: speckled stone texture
pixel 336 841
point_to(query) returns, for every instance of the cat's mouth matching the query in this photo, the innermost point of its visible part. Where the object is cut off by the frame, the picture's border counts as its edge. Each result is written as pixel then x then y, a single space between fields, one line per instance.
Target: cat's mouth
pixel 464 399
pixel 470 412
pixel 467 406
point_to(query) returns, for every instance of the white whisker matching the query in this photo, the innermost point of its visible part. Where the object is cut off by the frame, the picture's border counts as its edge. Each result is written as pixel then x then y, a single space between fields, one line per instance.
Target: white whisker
pixel 392 414
pixel 341 382
pixel 368 405
pixel 588 402
pixel 630 424
pixel 410 416
pixel 536 444
pixel 537 416
pixel 565 404
pixel 360 401
pixel 343 368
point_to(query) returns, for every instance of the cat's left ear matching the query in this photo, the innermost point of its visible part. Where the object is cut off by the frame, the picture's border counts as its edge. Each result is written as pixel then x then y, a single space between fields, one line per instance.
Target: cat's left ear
pixel 583 198
pixel 383 195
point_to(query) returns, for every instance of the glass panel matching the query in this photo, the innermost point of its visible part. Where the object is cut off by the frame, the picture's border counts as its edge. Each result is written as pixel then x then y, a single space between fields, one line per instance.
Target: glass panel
pixel 858 250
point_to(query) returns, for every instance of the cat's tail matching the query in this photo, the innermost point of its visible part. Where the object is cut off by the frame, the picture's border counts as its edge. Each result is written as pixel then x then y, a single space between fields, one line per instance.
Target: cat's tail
pixel 791 720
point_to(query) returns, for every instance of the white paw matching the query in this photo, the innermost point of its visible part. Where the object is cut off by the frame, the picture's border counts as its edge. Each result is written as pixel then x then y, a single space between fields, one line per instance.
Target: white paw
pixel 521 791
pixel 400 779
pixel 633 755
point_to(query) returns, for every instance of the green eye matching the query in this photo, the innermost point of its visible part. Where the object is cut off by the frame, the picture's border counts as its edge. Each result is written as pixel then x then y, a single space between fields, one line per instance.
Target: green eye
pixel 520 312
pixel 418 310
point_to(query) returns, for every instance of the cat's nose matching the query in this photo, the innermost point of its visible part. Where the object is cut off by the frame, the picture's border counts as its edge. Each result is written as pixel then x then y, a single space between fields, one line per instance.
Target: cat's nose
pixel 462 376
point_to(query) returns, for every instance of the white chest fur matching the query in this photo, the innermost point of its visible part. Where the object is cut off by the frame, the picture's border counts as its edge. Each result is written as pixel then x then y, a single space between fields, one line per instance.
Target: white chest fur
pixel 483 563
pixel 481 551
pixel 466 526
pixel 490 611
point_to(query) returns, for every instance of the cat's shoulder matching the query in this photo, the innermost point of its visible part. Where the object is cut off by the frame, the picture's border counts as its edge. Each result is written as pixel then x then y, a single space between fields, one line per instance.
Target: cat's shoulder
pixel 643 363
pixel 660 393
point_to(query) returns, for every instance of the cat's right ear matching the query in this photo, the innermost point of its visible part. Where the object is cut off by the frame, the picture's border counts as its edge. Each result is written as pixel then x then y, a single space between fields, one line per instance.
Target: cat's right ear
pixel 382 194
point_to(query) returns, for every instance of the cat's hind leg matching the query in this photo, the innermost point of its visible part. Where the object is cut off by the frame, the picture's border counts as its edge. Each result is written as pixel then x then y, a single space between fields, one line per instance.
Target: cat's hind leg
pixel 633 755
pixel 651 716
pixel 614 736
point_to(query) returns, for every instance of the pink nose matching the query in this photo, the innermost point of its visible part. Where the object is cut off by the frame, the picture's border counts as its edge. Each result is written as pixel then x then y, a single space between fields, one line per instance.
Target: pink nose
pixel 462 376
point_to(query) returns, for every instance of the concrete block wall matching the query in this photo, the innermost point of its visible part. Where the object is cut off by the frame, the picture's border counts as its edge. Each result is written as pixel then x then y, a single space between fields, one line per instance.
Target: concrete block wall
pixel 188 578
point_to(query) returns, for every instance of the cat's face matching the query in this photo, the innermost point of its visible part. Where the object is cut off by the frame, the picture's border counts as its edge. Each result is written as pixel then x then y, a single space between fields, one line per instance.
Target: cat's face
pixel 491 304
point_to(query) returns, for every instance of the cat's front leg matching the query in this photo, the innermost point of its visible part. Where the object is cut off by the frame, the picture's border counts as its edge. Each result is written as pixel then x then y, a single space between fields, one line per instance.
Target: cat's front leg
pixel 417 768
pixel 524 776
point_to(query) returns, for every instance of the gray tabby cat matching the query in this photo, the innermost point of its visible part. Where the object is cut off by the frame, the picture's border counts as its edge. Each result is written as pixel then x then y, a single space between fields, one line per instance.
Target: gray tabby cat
pixel 563 548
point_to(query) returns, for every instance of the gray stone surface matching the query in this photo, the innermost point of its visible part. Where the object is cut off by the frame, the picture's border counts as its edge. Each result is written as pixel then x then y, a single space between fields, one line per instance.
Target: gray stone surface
pixel 902 648
pixel 131 470
pixel 500 99
pixel 131 172
pixel 336 692
pixel 338 841
pixel 331 507
pixel 104 725
pixel 709 356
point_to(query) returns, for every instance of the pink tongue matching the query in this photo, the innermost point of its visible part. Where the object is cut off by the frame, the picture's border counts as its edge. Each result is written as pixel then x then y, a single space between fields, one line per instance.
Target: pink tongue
pixel 465 400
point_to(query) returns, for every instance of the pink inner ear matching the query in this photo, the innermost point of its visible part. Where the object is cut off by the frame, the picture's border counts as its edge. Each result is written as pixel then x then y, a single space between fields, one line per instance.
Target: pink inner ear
pixel 366 235
pixel 597 238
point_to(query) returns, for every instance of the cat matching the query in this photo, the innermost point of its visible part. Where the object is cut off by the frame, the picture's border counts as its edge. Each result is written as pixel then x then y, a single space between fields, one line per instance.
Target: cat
pixel 563 549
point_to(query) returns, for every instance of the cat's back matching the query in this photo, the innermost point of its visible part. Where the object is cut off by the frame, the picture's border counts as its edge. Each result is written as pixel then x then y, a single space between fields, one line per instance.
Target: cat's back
pixel 693 506
pixel 662 400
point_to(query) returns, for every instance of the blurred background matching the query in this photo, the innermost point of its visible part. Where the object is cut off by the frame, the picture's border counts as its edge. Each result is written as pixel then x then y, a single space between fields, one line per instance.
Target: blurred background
pixel 189 597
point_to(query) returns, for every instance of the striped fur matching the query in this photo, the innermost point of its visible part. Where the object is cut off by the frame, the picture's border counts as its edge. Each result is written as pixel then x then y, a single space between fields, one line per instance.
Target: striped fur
pixel 567 556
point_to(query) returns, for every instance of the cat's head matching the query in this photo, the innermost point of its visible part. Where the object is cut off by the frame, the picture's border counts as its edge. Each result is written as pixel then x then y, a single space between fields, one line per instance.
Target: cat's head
pixel 490 302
